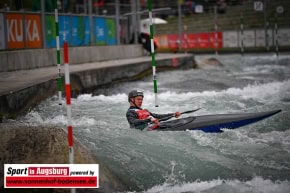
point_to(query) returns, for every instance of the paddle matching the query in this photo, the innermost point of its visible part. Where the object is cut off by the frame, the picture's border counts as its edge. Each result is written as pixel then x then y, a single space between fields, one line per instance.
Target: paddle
pixel 185 112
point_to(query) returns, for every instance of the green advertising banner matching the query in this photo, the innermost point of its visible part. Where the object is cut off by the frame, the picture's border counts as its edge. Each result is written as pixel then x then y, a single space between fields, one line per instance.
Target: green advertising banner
pixel 50 31
pixel 110 32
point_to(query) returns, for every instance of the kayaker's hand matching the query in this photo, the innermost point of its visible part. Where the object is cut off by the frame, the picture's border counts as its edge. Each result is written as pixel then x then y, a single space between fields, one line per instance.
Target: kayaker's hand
pixel 155 121
pixel 177 114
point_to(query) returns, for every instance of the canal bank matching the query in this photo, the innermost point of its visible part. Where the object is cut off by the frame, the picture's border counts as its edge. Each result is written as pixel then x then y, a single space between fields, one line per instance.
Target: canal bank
pixel 22 90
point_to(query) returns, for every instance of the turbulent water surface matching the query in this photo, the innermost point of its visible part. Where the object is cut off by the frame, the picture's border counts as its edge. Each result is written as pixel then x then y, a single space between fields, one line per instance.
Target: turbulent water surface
pixel 254 158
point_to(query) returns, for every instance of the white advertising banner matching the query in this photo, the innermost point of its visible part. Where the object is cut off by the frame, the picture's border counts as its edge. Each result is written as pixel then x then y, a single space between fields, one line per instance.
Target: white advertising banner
pixel 2 32
pixel 260 38
pixel 248 38
pixel 230 39
pixel 284 37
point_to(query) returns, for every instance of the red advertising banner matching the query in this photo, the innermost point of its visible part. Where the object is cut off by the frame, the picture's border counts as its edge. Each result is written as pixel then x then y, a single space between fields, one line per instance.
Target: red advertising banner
pixel 27 34
pixel 216 40
pixel 205 40
pixel 162 41
pixel 192 41
pixel 172 41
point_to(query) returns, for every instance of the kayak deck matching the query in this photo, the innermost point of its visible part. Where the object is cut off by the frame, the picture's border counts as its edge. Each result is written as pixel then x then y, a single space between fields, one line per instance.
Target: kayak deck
pixel 214 123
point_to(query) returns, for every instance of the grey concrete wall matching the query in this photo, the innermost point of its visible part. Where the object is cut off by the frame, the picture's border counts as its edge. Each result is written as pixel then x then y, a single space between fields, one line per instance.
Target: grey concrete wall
pixel 18 102
pixel 91 79
pixel 29 59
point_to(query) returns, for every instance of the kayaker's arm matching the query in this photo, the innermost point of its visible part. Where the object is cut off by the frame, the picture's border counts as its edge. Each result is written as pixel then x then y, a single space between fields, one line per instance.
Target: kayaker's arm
pixel 164 117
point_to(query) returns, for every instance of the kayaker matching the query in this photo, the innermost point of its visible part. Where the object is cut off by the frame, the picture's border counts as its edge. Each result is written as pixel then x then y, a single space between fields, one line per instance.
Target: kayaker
pixel 139 118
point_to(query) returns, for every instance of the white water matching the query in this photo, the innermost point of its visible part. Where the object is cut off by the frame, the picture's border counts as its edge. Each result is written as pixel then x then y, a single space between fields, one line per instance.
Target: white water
pixel 253 158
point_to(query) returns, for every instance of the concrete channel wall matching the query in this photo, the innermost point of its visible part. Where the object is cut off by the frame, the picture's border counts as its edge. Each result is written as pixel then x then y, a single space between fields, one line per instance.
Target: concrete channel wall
pixel 37 58
pixel 85 78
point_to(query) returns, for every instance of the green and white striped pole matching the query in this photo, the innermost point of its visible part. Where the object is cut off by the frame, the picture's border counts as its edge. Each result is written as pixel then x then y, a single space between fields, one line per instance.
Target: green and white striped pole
pixel 153 52
pixel 276 35
pixel 59 79
pixel 242 33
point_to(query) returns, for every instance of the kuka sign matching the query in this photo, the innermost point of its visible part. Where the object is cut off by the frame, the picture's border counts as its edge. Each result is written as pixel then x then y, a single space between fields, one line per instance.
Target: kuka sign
pixel 24 31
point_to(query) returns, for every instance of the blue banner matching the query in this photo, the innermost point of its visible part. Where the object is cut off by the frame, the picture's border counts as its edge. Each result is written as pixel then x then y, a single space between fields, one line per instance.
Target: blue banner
pixel 64 25
pixel 100 32
pixel 78 31
pixel 87 31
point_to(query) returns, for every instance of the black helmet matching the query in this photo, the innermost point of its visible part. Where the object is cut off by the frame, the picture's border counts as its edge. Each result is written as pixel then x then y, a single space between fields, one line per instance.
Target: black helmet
pixel 135 93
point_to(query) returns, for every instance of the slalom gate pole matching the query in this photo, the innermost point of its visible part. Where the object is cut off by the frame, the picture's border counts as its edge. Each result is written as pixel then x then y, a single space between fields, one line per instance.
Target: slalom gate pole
pixel 216 37
pixel 242 33
pixel 185 38
pixel 153 53
pixel 267 37
pixel 68 104
pixel 215 31
pixel 276 35
pixel 59 79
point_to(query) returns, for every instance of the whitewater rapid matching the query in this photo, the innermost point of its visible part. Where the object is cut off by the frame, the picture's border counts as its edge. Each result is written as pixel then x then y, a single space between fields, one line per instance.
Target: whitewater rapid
pixel 254 158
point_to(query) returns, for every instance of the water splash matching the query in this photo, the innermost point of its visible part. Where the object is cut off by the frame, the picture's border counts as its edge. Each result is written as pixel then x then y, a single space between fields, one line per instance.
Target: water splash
pixel 256 185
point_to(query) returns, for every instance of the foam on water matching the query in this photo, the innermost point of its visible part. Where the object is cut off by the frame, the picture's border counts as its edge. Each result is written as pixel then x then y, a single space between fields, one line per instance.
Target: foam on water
pixel 35 117
pixel 232 98
pixel 256 185
pixel 260 93
pixel 265 69
pixel 108 99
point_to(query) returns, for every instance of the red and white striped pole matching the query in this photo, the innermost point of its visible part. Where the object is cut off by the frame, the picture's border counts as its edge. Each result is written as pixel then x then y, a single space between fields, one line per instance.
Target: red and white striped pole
pixel 215 32
pixel 185 38
pixel 68 102
pixel 216 37
pixel 68 105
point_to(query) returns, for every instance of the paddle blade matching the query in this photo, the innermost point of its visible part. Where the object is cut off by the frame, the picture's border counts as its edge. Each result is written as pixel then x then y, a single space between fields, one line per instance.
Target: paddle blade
pixel 186 112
